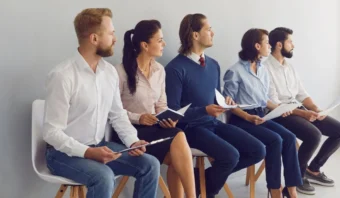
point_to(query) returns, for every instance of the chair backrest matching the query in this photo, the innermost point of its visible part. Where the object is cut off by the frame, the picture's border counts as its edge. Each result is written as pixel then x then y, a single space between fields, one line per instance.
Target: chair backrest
pixel 38 144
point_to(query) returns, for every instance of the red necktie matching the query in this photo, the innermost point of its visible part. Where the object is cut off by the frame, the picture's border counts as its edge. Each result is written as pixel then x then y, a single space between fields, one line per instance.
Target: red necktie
pixel 201 60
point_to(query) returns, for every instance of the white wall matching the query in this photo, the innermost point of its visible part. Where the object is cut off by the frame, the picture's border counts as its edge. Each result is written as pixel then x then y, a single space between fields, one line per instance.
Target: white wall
pixel 37 34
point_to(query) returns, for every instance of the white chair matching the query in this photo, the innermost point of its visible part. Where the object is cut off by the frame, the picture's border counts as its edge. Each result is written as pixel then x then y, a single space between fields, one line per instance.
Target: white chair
pixel 38 156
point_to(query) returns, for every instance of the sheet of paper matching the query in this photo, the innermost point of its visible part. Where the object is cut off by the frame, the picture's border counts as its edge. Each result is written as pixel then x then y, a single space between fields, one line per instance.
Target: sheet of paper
pixel 281 109
pixel 221 101
pixel 184 109
pixel 328 110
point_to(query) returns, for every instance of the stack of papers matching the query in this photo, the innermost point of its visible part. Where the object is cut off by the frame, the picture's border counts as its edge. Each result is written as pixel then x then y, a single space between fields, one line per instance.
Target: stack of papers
pixel 221 101
pixel 281 109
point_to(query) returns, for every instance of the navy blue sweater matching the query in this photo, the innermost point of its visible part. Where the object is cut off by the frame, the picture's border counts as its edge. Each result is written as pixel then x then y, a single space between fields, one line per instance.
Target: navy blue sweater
pixel 188 82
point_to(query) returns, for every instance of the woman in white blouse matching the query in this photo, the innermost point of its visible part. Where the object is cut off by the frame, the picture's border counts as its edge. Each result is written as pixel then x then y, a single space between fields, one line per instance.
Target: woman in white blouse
pixel 142 87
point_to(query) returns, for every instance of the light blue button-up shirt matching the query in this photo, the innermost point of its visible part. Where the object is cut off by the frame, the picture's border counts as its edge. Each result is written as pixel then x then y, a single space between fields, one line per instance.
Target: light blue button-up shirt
pixel 246 87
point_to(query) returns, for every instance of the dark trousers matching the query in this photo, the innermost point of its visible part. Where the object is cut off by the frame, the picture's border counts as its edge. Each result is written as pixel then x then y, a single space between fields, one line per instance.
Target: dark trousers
pixel 231 147
pixel 310 134
pixel 279 142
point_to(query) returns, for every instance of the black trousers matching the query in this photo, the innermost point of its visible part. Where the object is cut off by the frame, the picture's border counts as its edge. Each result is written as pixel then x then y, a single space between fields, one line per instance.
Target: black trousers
pixel 310 134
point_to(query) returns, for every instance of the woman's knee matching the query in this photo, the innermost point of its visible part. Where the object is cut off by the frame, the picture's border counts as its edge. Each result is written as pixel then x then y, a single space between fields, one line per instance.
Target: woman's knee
pixel 259 151
pixel 275 140
pixel 181 136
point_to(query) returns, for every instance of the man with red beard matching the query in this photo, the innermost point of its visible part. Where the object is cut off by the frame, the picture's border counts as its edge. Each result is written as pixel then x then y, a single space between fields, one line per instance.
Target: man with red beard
pixel 82 94
pixel 306 122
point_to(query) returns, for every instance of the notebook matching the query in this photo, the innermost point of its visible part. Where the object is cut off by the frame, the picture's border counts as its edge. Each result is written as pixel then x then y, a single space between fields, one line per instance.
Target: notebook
pixel 172 114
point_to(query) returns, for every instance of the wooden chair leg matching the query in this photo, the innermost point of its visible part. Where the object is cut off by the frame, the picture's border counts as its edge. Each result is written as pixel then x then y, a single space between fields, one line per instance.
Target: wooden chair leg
pixel 81 192
pixel 164 188
pixel 260 170
pixel 228 191
pixel 202 176
pixel 247 177
pixel 61 191
pixel 252 180
pixel 74 192
pixel 120 186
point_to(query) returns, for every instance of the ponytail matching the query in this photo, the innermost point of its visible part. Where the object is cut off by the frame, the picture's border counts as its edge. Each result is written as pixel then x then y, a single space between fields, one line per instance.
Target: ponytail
pixel 130 61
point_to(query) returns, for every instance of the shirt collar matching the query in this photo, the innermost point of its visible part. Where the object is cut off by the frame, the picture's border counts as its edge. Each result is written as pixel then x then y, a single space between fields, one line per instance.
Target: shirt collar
pixel 82 64
pixel 154 67
pixel 276 63
pixel 195 57
pixel 246 64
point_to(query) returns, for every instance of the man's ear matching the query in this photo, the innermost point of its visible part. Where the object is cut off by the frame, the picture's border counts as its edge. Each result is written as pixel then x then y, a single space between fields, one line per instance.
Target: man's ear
pixel 94 38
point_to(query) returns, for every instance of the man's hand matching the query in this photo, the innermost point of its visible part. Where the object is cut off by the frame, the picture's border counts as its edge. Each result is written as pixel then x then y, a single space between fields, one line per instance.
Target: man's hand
pixel 101 154
pixel 320 118
pixel 229 101
pixel 287 114
pixel 147 119
pixel 214 110
pixel 257 120
pixel 168 123
pixel 310 115
pixel 138 151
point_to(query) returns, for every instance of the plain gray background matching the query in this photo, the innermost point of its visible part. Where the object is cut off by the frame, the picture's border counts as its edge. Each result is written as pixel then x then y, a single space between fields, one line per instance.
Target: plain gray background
pixel 38 34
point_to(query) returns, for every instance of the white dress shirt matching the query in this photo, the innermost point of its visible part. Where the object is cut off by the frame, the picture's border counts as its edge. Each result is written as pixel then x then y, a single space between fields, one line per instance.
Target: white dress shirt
pixel 79 103
pixel 195 57
pixel 285 84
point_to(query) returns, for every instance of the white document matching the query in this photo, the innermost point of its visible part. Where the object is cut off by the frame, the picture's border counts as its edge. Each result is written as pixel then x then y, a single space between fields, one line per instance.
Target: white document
pixel 221 101
pixel 184 109
pixel 334 105
pixel 281 109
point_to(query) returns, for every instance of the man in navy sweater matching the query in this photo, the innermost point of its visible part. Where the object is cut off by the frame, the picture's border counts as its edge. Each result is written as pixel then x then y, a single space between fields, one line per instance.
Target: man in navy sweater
pixel 192 77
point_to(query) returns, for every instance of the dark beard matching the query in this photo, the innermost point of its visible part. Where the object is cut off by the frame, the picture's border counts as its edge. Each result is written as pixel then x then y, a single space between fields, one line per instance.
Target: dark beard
pixel 285 53
pixel 105 52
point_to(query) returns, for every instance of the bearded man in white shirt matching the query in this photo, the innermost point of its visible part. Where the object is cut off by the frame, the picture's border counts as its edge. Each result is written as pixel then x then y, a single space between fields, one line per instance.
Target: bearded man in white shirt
pixel 82 94
pixel 305 123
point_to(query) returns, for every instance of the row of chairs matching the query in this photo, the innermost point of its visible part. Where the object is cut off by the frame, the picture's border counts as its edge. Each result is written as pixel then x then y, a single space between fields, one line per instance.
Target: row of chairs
pixel 78 190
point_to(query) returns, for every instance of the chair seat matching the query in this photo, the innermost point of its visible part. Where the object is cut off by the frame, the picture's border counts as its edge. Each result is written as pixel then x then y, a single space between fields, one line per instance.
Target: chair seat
pixel 198 153
pixel 45 174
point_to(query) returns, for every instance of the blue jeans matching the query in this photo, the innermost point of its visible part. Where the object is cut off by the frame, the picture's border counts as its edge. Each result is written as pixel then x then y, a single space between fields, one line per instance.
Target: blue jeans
pixel 99 178
pixel 232 149
pixel 279 142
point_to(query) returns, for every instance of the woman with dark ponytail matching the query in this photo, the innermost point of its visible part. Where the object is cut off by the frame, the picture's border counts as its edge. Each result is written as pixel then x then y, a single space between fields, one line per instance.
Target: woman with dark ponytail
pixel 142 88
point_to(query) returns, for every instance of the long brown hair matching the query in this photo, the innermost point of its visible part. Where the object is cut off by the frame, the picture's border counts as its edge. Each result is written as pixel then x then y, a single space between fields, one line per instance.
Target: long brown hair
pixel 190 23
pixel 143 32
pixel 249 39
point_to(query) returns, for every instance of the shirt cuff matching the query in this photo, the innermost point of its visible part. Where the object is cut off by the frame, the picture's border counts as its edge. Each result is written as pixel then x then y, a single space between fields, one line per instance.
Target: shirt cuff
pixel 129 140
pixel 302 98
pixel 134 118
pixel 79 150
pixel 203 111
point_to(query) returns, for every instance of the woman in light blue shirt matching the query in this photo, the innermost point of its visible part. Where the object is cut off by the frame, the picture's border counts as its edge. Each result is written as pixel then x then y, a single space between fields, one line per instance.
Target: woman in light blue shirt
pixel 247 82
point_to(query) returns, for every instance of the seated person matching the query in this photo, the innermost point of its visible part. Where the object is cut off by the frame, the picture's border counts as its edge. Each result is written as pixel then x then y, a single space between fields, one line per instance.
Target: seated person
pixel 192 77
pixel 82 94
pixel 305 123
pixel 247 82
pixel 142 89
